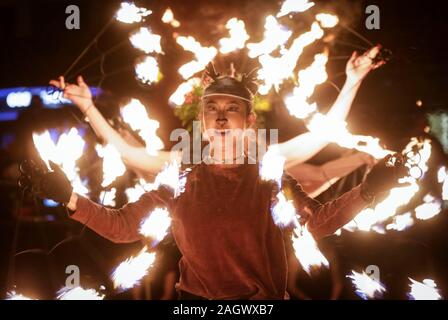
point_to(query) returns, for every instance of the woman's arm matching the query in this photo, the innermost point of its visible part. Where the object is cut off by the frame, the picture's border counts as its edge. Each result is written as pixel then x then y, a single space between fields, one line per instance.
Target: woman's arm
pixel 134 157
pixel 316 179
pixel 325 219
pixel 304 146
pixel 117 225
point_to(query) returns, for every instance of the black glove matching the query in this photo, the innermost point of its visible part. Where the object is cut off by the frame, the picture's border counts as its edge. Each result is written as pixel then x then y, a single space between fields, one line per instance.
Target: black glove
pixel 46 185
pixel 29 172
pixel 384 175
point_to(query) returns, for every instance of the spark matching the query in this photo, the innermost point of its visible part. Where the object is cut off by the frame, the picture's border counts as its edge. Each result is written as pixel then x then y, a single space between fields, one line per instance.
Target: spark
pixel 108 197
pixel 426 290
pixel 284 212
pixel 135 114
pixel 275 70
pixel 306 250
pixel 168 17
pixel 366 286
pixel 442 177
pixel 271 167
pixel 64 153
pixel 290 6
pixel 16 296
pixel 202 54
pixel 401 222
pixel 178 97
pixel 132 270
pixel 78 293
pixel 113 166
pixel 308 78
pixel 147 70
pixel 155 225
pixel 429 208
pixel 130 13
pixel 238 36
pixel 327 20
pixel 275 35
pixel 144 40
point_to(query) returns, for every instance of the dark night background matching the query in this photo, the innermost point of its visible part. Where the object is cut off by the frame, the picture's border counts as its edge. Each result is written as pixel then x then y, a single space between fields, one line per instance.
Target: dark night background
pixel 36 47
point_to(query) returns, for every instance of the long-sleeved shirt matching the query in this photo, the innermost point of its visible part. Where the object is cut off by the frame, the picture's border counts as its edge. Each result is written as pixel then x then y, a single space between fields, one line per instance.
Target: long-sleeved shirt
pixel 222 224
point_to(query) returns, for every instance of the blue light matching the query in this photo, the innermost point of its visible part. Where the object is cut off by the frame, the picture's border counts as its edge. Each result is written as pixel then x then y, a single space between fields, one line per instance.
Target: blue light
pixel 19 99
pixel 19 96
pixel 8 116
pixel 50 203
pixel 54 134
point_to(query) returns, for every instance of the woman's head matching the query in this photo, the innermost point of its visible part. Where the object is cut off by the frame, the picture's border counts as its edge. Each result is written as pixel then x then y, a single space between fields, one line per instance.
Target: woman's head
pixel 226 111
pixel 224 122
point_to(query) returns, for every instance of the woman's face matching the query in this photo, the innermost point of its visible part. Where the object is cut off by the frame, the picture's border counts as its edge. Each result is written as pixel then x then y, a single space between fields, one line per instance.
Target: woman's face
pixel 224 113
pixel 224 120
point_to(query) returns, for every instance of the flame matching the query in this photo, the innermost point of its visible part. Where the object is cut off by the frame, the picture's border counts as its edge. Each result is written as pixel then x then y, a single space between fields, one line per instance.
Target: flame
pixel 426 290
pixel 143 39
pixel 168 17
pixel 238 36
pixel 421 157
pixel 401 222
pixel 134 113
pixel 275 35
pixel 113 166
pixel 366 286
pixel 275 70
pixel 108 197
pixel 294 6
pixel 16 296
pixel 271 166
pixel 306 250
pixel 46 148
pixel 78 293
pixel 133 194
pixel 430 208
pixel 64 153
pixel 130 13
pixel 326 127
pixel 368 218
pixel 171 178
pixel 147 70
pixel 178 97
pixel 308 78
pixel 202 54
pixel 155 225
pixel 442 177
pixel 327 20
pixel 132 270
pixel 315 73
pixel 283 212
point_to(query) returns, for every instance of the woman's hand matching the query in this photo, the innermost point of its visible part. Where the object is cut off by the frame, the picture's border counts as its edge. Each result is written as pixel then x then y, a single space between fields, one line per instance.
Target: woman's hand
pixel 385 175
pixel 45 184
pixel 367 159
pixel 359 66
pixel 78 93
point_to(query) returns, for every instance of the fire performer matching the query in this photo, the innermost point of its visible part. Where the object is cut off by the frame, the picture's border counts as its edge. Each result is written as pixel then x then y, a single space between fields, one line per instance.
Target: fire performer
pixel 221 221
pixel 296 150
